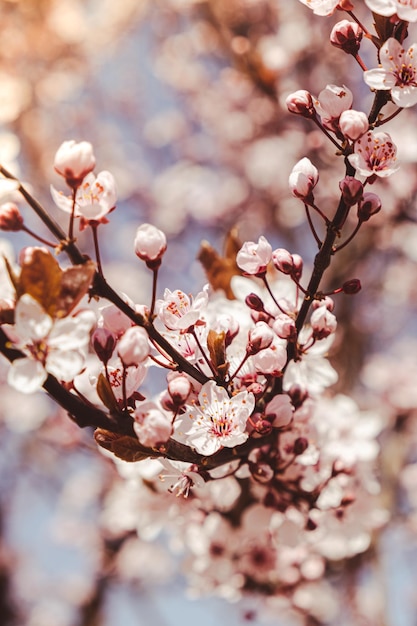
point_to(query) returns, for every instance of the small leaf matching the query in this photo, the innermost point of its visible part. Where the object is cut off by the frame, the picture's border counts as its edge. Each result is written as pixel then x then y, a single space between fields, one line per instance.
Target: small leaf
pixel 124 447
pixel 220 270
pixel 216 343
pixel 106 395
pixel 75 282
pixel 57 291
pixel 41 278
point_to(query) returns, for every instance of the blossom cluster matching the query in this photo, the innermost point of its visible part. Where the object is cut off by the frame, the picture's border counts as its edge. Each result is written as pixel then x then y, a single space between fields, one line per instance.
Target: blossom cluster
pixel 276 476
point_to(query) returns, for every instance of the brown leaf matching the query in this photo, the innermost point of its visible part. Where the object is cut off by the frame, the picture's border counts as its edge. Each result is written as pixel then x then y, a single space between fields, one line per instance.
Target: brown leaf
pixel 216 343
pixel 124 447
pixel 106 395
pixel 220 270
pixel 41 278
pixel 57 291
pixel 75 282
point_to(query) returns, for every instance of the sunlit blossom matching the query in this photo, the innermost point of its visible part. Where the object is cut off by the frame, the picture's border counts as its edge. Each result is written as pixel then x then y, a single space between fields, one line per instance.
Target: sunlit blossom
pixel 52 346
pixel 398 73
pixel 374 153
pixel 94 199
pixel 216 421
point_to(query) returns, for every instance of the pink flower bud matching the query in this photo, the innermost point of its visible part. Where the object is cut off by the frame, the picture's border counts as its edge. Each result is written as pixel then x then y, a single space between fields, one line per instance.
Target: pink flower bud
pixel 347 36
pixel 260 337
pixel 350 287
pixel 323 322
pixel 300 445
pixel 285 328
pixel 368 205
pixel 152 426
pixel 353 124
pixel 74 161
pixel 301 103
pixel 283 260
pixel 298 395
pixel 352 190
pixel 103 341
pixel 10 217
pixel 133 347
pixel 326 301
pixel 254 302
pixel 271 360
pixel 150 245
pixel 179 388
pixel 298 266
pixel 303 179
pixel 253 258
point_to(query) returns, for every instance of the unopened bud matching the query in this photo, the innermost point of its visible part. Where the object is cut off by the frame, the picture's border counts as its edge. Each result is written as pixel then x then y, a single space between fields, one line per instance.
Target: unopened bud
pixel 350 287
pixel 179 388
pixel 133 347
pixel 301 103
pixel 260 337
pixel 300 445
pixel 150 245
pixel 352 190
pixel 283 260
pixel 353 124
pixel 347 36
pixel 254 302
pixel 297 395
pixel 302 180
pixel 285 327
pixel 298 266
pixel 103 341
pixel 74 160
pixel 369 204
pixel 10 217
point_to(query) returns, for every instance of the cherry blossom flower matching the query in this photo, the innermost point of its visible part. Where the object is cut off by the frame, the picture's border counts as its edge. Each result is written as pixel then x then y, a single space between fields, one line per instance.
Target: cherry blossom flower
pixel 374 153
pixel 52 346
pixel 398 72
pixel 405 9
pixel 313 371
pixel 180 477
pixel 332 101
pixel 321 7
pixel 74 160
pixel 152 425
pixel 94 199
pixel 253 258
pixel 216 420
pixel 179 312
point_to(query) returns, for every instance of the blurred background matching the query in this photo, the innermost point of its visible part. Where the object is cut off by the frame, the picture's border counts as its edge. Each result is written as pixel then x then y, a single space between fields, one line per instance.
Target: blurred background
pixel 184 102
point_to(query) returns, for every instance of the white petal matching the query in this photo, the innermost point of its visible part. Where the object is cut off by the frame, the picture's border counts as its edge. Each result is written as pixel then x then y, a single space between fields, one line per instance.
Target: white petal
pixel 71 333
pixel 31 321
pixel 64 365
pixel 26 375
pixel 404 96
pixel 62 202
pixel 379 79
